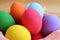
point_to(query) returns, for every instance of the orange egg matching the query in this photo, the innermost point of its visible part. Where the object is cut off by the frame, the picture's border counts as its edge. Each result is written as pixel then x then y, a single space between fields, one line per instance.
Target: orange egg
pixel 17 10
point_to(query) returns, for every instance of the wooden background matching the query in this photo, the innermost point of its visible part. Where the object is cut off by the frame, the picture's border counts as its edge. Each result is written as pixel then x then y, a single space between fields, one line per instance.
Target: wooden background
pixel 52 6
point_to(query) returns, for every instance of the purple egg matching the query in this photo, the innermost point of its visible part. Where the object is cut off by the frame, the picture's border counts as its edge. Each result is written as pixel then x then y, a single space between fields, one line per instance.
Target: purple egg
pixel 50 23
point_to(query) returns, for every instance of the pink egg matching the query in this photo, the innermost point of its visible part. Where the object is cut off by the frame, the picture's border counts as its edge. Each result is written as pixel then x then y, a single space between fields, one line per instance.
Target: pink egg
pixel 32 21
pixel 27 5
pixel 2 37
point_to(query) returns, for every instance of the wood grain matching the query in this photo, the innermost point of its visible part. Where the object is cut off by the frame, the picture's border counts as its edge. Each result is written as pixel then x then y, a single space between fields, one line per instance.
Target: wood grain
pixel 52 6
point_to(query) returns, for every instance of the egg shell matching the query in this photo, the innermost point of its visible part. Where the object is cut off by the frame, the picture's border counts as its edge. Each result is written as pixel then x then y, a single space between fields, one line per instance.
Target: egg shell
pixel 54 35
pixel 6 20
pixel 32 21
pixel 50 23
pixel 17 9
pixel 2 37
pixel 37 7
pixel 27 5
pixel 18 32
pixel 37 36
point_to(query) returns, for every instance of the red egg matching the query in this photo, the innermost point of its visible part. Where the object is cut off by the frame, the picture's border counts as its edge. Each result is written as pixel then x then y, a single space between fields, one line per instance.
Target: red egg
pixel 32 21
pixel 37 36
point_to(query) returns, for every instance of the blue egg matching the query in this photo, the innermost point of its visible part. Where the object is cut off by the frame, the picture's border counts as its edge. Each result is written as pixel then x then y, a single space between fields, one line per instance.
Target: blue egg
pixel 37 7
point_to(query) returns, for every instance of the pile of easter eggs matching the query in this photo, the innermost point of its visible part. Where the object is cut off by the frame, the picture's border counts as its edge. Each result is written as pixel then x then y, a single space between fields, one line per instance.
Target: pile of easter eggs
pixel 29 23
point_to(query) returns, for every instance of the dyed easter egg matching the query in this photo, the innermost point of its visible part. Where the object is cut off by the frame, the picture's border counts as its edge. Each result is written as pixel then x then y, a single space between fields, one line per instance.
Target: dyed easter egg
pixel 50 23
pixel 37 36
pixel 37 7
pixel 27 5
pixel 18 32
pixel 6 20
pixel 2 37
pixel 17 10
pixel 32 21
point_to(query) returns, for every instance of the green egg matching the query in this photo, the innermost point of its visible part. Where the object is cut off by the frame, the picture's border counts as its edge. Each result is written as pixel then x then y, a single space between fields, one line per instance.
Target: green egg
pixel 6 20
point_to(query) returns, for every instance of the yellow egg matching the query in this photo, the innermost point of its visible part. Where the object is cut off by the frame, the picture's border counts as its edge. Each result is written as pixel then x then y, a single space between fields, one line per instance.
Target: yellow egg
pixel 18 32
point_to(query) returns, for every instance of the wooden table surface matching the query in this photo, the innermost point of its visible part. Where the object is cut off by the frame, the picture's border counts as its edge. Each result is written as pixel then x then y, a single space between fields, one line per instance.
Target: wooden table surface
pixel 52 6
